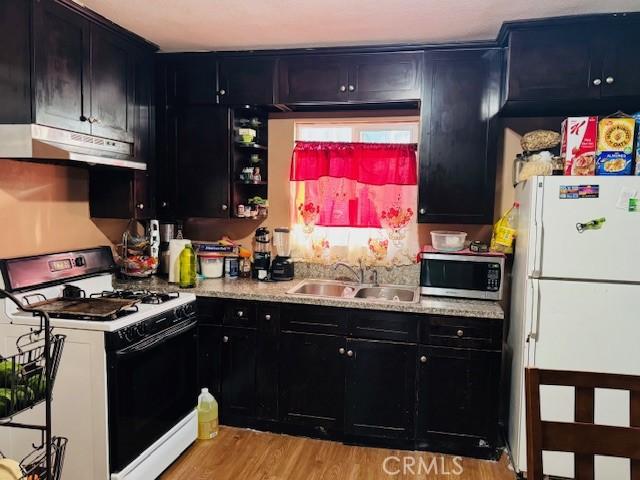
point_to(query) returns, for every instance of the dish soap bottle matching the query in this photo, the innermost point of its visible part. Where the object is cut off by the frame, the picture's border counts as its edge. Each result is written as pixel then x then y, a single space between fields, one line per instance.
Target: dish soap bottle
pixel 505 230
pixel 207 415
pixel 187 267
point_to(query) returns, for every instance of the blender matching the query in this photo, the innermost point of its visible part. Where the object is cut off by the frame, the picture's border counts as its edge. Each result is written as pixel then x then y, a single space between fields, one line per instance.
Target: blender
pixel 282 266
pixel 261 254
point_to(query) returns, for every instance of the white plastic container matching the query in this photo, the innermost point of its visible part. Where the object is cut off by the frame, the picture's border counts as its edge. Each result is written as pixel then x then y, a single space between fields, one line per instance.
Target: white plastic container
pixel 211 265
pixel 448 241
pixel 207 415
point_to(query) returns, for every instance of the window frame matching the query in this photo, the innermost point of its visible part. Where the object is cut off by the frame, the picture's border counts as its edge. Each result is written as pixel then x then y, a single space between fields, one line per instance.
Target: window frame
pixel 360 125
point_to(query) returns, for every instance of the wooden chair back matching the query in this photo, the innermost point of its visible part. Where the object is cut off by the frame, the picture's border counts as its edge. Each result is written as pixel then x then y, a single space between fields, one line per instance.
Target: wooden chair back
pixel 583 437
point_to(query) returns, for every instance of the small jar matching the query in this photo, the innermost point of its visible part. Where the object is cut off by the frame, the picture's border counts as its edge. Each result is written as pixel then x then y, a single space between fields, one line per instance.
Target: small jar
pixel 240 210
pixel 231 267
pixel 245 267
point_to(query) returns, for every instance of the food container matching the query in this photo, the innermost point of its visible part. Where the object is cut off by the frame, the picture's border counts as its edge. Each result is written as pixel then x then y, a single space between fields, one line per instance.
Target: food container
pixel 448 241
pixel 231 266
pixel 579 138
pixel 211 265
pixel 615 146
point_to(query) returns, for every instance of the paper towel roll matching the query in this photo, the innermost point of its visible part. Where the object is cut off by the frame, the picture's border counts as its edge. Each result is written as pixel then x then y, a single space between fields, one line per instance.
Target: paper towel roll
pixel 175 249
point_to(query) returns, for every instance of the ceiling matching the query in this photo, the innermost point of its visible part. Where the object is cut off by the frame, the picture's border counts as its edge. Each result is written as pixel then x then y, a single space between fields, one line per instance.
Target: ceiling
pixel 195 25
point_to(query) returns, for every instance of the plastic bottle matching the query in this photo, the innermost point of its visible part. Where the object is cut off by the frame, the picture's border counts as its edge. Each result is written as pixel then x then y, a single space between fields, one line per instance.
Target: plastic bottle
pixel 187 267
pixel 505 230
pixel 207 415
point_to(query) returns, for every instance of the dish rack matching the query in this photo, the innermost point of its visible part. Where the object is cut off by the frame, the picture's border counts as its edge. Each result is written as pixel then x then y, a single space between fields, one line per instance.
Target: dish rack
pixel 26 380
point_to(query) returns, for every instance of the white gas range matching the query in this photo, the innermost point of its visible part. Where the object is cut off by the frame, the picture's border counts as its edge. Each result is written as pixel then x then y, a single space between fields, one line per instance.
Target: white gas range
pixel 127 382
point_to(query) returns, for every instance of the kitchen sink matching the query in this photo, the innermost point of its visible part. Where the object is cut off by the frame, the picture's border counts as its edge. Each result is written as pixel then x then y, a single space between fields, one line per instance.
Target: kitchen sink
pixel 355 291
pixel 393 294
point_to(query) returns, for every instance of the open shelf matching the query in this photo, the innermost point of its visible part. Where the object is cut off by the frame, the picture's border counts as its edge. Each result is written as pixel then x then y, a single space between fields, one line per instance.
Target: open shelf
pixel 252 146
pixel 255 184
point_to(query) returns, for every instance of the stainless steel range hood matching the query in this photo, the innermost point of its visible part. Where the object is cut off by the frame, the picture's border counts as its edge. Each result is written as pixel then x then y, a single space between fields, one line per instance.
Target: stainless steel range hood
pixel 37 142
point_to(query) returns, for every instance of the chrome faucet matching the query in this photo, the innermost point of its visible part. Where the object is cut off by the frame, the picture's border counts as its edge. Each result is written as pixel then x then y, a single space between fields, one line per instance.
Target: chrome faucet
pixel 358 274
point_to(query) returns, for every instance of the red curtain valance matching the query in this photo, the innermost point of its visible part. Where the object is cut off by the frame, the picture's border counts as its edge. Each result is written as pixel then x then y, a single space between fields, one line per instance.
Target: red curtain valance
pixel 368 163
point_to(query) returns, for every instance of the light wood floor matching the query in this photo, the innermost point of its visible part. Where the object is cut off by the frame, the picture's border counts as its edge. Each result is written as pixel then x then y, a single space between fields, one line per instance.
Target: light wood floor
pixel 239 454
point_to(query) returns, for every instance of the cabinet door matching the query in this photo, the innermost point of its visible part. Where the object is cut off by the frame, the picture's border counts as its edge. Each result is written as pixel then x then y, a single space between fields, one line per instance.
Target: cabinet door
pixel 119 193
pixel 144 110
pixel 210 358
pixel 194 80
pixel 313 78
pixel 458 393
pixel 312 380
pixel 238 370
pixel 61 49
pixel 112 85
pixel 385 76
pixel 246 81
pixel 552 63
pixel 380 389
pixel 459 136
pixel 202 162
pixel 621 62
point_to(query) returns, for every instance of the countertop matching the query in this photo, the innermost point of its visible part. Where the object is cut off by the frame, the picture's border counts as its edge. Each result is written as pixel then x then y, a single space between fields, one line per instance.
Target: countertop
pixel 245 289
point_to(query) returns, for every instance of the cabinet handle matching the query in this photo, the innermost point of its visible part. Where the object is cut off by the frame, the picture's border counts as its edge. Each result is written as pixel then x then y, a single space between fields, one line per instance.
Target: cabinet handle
pixel 460 333
pixel 351 88
pixel 349 353
pixel 423 359
pixel 341 350
pixel 164 204
pixel 597 81
pixel 343 88
pixel 239 313
pixel 422 211
pixel 609 80
pixel 224 206
pixel 222 92
pixel 225 339
pixel 140 206
pixel 267 317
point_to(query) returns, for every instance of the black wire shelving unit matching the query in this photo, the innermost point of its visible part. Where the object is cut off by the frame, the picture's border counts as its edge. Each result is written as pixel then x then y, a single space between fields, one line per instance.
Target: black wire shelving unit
pixel 26 380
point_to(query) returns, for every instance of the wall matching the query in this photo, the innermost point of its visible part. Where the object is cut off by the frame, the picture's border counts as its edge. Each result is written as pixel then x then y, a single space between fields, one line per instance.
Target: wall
pixel 44 208
pixel 281 141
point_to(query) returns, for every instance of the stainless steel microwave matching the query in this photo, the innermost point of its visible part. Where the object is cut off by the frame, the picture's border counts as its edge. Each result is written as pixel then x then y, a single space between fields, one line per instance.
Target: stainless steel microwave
pixel 462 275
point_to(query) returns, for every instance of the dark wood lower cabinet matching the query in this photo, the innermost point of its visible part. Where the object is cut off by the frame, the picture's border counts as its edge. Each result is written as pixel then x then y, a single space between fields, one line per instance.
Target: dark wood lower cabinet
pixel 361 385
pixel 238 370
pixel 312 381
pixel 380 389
pixel 458 399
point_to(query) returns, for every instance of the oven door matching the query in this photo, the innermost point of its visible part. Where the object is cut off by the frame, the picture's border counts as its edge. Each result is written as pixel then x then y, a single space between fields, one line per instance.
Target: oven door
pixel 152 385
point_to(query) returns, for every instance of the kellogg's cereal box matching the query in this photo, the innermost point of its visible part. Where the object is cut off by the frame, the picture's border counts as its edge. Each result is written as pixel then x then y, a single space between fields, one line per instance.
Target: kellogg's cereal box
pixel 579 136
pixel 615 146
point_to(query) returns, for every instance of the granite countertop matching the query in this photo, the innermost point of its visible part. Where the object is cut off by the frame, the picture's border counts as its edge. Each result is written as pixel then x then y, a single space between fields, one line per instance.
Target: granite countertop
pixel 245 289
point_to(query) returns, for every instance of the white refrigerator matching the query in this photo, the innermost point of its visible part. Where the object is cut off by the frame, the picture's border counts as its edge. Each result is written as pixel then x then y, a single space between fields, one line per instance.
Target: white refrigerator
pixel 575 302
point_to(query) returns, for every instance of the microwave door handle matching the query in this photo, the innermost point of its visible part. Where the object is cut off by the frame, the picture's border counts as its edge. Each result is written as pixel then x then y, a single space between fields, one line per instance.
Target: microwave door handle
pixel 149 343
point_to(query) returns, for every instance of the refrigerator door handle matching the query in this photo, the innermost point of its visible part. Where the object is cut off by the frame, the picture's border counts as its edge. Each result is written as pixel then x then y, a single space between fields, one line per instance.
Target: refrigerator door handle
pixel 534 332
pixel 537 260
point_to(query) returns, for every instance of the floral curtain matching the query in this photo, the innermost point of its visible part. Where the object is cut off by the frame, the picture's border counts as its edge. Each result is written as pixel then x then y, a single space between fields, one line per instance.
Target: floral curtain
pixel 354 201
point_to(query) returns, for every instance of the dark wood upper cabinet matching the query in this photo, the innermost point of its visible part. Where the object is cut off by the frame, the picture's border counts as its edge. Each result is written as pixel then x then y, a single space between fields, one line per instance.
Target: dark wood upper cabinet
pixel 380 389
pixel 62 67
pixel 621 64
pixel 553 63
pixel 458 151
pixel 384 77
pixel 192 79
pixel 246 80
pixel 313 78
pixel 202 161
pixel 112 85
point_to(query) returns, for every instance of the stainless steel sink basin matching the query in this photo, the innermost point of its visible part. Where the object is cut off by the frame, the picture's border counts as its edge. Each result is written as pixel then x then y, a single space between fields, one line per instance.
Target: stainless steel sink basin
pixel 324 289
pixel 355 291
pixel 393 294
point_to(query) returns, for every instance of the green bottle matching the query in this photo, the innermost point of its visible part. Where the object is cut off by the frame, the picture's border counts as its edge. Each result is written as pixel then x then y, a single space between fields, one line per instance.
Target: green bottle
pixel 187 267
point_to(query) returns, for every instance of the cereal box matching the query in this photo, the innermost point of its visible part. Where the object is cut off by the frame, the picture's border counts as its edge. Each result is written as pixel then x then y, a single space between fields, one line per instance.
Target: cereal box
pixel 615 146
pixel 579 136
pixel 637 118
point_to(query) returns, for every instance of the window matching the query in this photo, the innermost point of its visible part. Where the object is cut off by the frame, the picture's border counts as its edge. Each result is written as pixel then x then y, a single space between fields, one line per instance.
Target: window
pixel 383 130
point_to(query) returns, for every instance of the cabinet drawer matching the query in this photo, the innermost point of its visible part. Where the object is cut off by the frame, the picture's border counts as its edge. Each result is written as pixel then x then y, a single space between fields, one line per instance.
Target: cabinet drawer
pixel 383 325
pixel 313 319
pixel 240 314
pixel 210 311
pixel 268 318
pixel 461 332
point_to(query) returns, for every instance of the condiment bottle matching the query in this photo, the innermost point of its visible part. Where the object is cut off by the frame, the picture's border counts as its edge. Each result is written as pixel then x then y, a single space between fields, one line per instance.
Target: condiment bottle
pixel 187 267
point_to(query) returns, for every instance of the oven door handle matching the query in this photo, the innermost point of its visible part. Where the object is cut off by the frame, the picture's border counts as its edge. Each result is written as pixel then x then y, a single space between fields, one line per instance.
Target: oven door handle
pixel 153 341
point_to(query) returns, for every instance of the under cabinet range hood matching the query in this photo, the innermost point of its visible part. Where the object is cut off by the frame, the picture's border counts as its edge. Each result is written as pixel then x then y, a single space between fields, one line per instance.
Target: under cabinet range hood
pixel 37 142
